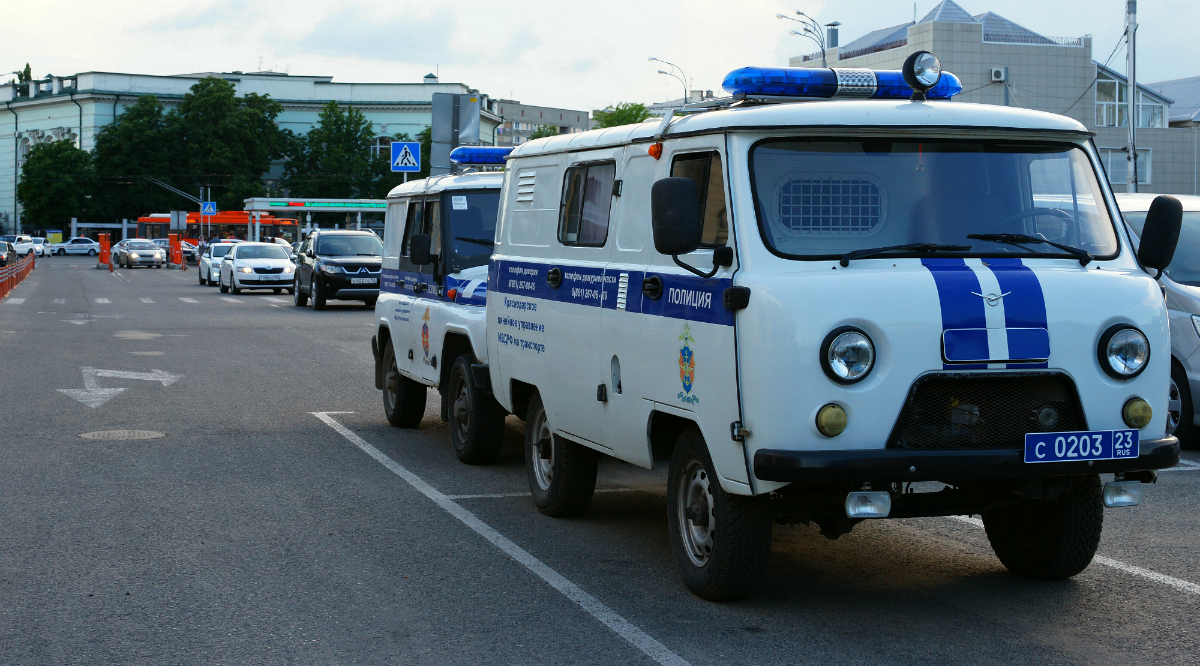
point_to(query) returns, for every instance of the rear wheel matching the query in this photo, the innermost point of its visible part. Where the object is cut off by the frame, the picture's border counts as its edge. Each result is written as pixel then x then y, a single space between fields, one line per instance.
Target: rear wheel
pixel 298 296
pixel 562 474
pixel 721 541
pixel 476 420
pixel 1179 408
pixel 1049 539
pixel 92 252
pixel 403 399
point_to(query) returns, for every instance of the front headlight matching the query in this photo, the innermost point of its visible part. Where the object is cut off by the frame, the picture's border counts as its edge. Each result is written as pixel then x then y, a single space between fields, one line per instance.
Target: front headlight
pixel 1123 352
pixel 332 270
pixel 245 269
pixel 847 355
pixel 1196 324
pixel 133 255
pixel 289 269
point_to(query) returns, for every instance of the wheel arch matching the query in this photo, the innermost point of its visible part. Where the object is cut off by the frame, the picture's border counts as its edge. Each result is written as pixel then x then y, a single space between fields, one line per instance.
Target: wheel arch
pixel 664 430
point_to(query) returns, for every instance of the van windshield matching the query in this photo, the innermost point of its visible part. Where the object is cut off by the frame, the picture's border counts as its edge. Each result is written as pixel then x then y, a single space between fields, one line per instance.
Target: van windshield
pixel 1185 267
pixel 821 199
pixel 471 217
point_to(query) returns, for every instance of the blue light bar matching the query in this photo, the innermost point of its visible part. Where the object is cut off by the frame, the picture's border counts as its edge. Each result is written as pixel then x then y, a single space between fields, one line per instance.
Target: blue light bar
pixel 479 155
pixel 831 83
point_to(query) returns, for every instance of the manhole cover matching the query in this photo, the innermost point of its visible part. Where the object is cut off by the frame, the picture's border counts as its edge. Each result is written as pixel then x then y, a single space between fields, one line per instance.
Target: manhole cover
pixel 122 434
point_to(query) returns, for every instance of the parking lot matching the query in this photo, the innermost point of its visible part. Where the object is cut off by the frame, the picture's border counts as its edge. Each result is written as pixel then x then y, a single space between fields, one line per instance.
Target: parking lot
pixel 280 519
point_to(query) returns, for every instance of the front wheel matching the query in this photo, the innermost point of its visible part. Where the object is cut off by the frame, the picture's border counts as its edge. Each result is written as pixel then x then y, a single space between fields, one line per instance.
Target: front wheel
pixel 562 474
pixel 403 399
pixel 1049 539
pixel 318 295
pixel 476 420
pixel 722 541
pixel 221 284
pixel 200 277
pixel 298 296
pixel 233 284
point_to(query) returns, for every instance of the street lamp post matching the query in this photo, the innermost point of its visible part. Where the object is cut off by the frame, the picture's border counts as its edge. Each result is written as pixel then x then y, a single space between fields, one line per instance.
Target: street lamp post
pixel 681 76
pixel 812 30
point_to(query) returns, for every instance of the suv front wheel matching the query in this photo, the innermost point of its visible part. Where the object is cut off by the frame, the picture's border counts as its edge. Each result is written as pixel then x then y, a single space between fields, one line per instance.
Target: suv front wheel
pixel 403 399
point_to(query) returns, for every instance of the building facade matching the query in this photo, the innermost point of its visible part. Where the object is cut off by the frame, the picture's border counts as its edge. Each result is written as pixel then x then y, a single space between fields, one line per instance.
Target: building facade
pixel 519 121
pixel 76 107
pixel 1001 62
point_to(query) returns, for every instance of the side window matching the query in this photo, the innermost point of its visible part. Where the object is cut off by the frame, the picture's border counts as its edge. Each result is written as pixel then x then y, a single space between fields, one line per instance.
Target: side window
pixel 705 170
pixel 433 224
pixel 411 224
pixel 586 203
pixel 393 224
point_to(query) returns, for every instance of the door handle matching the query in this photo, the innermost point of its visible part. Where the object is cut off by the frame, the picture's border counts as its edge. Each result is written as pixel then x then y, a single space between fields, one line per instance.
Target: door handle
pixel 652 287
pixel 554 277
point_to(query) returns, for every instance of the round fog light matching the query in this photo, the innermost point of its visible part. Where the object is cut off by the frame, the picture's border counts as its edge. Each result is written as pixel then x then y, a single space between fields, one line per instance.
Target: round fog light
pixel 831 420
pixel 1048 417
pixel 1137 413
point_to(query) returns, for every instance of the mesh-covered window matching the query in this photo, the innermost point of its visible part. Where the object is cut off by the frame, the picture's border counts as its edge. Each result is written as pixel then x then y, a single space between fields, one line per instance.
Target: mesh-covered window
pixel 830 206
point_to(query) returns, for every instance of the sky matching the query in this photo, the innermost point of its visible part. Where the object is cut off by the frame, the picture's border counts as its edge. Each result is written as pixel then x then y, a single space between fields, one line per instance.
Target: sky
pixel 573 55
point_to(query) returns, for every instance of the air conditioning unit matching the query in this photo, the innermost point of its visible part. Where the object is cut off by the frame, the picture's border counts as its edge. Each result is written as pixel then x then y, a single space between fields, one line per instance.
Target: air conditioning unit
pixel 998 75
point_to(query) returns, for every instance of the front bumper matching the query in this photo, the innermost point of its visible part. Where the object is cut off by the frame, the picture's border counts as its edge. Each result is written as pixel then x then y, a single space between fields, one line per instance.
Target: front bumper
pixel 264 281
pixel 887 465
pixel 144 261
pixel 343 287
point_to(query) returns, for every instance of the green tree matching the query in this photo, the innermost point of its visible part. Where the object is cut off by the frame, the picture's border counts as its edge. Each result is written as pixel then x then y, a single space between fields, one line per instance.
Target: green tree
pixel 334 161
pixel 625 113
pixel 23 76
pixel 56 185
pixel 135 145
pixel 544 131
pixel 224 141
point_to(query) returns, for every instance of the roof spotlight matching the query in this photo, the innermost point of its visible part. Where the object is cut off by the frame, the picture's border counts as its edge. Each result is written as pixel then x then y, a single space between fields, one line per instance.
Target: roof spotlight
pixel 922 71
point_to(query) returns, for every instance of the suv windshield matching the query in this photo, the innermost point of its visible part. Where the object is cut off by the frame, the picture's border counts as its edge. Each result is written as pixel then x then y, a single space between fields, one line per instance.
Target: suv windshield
pixel 261 252
pixel 349 246
pixel 821 199
pixel 220 249
pixel 471 219
pixel 1185 267
pixel 8 239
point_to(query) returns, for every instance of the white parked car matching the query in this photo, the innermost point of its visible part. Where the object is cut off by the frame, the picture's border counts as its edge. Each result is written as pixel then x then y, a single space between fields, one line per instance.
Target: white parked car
pixel 22 243
pixel 256 266
pixel 209 266
pixel 76 245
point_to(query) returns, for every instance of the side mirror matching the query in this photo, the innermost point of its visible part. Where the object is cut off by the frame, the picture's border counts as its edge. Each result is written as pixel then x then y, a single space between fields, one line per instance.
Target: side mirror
pixel 309 253
pixel 419 250
pixel 292 256
pixel 1160 233
pixel 675 216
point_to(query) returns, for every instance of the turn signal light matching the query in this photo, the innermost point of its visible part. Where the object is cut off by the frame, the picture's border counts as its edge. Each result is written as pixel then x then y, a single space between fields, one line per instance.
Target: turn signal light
pixel 831 420
pixel 655 150
pixel 452 294
pixel 1137 413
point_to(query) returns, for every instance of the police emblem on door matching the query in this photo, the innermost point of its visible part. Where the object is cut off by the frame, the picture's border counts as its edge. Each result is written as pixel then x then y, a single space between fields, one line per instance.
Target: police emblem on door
pixel 687 366
pixel 425 333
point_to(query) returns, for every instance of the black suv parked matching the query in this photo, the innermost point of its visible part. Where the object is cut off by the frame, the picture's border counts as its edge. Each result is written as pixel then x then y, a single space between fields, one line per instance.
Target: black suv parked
pixel 338 264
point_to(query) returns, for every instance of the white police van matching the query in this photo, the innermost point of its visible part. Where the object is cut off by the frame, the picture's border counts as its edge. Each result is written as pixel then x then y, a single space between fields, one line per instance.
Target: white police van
pixel 809 308
pixel 438 238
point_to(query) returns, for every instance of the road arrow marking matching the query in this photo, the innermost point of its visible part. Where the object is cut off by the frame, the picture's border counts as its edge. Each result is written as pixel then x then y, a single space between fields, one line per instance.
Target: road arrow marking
pixel 93 396
pixel 73 321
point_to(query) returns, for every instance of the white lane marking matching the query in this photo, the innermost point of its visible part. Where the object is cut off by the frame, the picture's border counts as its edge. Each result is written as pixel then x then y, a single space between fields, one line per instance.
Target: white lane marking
pixel 502 495
pixel 188 300
pixel 102 300
pixel 147 300
pixel 619 625
pixel 15 301
pixel 1177 583
pixel 275 300
pixel 60 301
pixel 228 299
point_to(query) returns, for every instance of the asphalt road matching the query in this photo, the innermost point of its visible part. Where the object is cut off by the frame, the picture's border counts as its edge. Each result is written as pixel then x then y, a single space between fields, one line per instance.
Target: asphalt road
pixel 281 520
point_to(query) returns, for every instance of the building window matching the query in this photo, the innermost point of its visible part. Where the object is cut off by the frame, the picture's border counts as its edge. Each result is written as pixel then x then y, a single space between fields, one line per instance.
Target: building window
pixel 1112 105
pixel 1115 163
pixel 382 146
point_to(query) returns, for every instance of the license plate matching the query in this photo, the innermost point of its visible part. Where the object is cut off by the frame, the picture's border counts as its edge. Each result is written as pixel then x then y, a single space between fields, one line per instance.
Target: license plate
pixel 269 278
pixel 1070 446
pixel 362 280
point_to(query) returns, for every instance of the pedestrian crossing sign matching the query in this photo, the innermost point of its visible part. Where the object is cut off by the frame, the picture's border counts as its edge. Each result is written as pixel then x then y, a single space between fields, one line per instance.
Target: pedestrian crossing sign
pixel 406 156
pixel 208 208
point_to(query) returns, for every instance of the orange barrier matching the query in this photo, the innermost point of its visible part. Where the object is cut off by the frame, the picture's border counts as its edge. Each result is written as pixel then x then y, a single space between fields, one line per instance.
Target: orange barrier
pixel 12 274
pixel 105 253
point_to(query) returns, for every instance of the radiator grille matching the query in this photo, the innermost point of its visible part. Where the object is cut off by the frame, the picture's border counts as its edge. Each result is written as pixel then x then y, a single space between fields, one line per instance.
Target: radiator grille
pixel 985 411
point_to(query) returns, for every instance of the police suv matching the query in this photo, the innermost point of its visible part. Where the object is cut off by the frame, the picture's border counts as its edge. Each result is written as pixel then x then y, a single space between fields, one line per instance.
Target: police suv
pixel 814 311
pixel 438 237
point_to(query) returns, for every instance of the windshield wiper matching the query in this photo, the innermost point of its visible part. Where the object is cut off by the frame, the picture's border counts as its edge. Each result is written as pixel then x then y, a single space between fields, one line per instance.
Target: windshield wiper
pixel 366 254
pixel 487 242
pixel 1083 256
pixel 911 247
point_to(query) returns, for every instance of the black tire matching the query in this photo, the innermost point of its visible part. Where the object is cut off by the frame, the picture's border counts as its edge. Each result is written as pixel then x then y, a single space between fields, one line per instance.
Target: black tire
pixel 221 284
pixel 563 483
pixel 200 276
pixel 298 295
pixel 278 291
pixel 92 252
pixel 1050 539
pixel 370 302
pixel 318 296
pixel 724 544
pixel 403 399
pixel 1179 411
pixel 476 419
pixel 233 284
